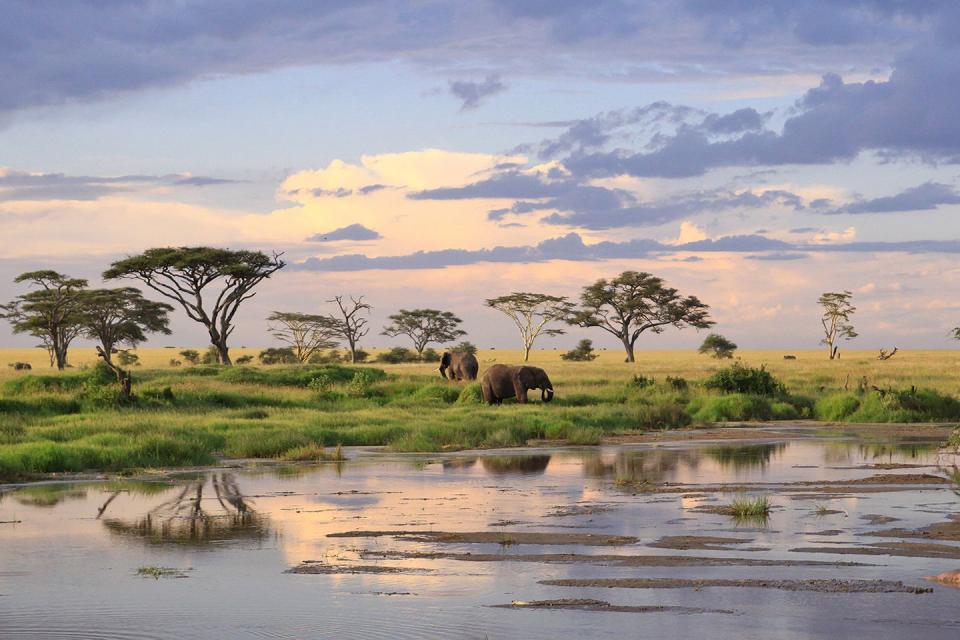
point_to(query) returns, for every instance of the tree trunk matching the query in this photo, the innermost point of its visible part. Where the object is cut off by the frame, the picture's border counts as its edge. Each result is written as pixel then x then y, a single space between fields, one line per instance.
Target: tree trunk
pixel 353 352
pixel 628 347
pixel 223 352
pixel 526 353
pixel 61 355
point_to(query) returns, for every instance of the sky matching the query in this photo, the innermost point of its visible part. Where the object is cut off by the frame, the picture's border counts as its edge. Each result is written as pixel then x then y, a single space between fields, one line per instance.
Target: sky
pixel 436 154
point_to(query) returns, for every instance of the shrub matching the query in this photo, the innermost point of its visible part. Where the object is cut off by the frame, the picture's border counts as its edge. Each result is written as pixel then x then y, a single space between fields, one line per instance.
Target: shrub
pixel 430 355
pixel 362 381
pixel 437 392
pixel 275 355
pixel 583 352
pixel 174 362
pixel 191 355
pixel 742 379
pixel 470 394
pixel 247 359
pixel 465 347
pixel 641 381
pixel 734 407
pixel 210 356
pixel 126 358
pixel 678 384
pixel 322 382
pixel 331 356
pixel 398 355
pixel 359 356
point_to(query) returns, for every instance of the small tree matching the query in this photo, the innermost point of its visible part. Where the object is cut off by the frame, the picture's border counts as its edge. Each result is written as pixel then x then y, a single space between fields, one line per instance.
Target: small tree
pixel 186 274
pixel 190 355
pixel 633 303
pixel 424 326
pixel 210 356
pixel 532 312
pixel 583 352
pixel 127 358
pixel 717 346
pixel 53 312
pixel 305 333
pixel 837 309
pixel 465 347
pixel 122 316
pixel 352 321
pixel 274 355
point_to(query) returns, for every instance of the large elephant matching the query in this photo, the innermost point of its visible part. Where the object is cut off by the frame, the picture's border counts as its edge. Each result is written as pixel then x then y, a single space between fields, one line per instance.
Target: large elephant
pixel 461 365
pixel 503 381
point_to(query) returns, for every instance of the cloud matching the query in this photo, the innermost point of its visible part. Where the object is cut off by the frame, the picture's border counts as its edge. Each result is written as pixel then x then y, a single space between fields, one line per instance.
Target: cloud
pixel 925 197
pixel 26 186
pixel 355 232
pixel 472 93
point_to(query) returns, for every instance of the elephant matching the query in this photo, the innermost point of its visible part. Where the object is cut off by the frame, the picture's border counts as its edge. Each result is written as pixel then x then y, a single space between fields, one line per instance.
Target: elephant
pixel 503 381
pixel 461 365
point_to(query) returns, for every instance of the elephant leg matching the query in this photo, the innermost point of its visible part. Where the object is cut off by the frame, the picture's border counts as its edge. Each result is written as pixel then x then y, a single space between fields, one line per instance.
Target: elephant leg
pixel 487 392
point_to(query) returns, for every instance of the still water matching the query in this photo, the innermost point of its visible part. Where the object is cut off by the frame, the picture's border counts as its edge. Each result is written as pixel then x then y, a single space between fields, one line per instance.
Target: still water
pixel 225 539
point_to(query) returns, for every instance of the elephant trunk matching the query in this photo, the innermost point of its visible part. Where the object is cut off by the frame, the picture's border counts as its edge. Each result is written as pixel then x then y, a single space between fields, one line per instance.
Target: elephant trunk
pixel 546 394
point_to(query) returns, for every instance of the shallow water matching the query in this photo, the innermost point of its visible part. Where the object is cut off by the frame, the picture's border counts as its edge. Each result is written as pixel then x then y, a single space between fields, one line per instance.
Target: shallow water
pixel 69 553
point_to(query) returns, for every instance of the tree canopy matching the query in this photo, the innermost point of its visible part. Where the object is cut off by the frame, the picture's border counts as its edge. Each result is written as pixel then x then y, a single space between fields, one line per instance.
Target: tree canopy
pixel 304 333
pixel 424 326
pixel 717 346
pixel 532 312
pixel 636 302
pixel 187 274
pixel 51 312
pixel 122 316
pixel 837 309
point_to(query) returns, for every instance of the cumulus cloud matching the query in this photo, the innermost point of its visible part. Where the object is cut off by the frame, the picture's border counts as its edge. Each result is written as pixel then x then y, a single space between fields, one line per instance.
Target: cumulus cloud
pixel 472 93
pixel 355 232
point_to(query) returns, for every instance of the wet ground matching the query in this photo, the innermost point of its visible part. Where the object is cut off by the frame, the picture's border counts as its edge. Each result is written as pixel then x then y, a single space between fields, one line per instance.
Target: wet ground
pixel 620 541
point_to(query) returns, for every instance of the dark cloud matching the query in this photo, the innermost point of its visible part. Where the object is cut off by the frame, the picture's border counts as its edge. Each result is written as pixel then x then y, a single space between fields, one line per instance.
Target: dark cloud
pixel 72 51
pixel 472 93
pixel 592 207
pixel 925 197
pixel 356 232
pixel 777 256
pixel 26 186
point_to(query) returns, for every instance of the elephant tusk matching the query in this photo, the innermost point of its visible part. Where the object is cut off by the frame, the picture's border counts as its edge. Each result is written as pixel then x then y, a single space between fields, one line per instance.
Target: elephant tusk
pixel 546 395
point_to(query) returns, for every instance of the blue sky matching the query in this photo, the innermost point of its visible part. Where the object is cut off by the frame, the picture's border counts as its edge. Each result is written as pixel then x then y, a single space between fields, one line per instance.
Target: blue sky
pixel 752 154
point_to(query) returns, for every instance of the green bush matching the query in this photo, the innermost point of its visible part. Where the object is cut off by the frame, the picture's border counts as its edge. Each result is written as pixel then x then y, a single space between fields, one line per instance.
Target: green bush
pixel 470 394
pixel 276 355
pixel 678 384
pixel 437 393
pixel 398 355
pixel 583 352
pixel 641 381
pixel 742 379
pixel 836 407
pixel 731 407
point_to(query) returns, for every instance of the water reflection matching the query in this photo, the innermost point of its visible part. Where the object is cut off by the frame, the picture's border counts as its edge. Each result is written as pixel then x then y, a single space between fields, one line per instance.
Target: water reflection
pixel 193 515
pixel 524 465
pixel 744 458
pixel 48 495
pixel 644 466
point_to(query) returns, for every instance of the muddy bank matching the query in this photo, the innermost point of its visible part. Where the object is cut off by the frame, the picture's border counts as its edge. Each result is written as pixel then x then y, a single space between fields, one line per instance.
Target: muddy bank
pixel 602 559
pixel 584 604
pixel 318 567
pixel 820 586
pixel 793 429
pixel 706 543
pixel 898 549
pixel 505 538
pixel 949 530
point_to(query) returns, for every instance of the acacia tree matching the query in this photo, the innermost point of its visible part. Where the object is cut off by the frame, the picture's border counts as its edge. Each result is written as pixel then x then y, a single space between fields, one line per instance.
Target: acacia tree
pixel 305 333
pixel 532 312
pixel 837 309
pixel 186 274
pixel 633 303
pixel 717 346
pixel 121 317
pixel 352 323
pixel 51 313
pixel 424 326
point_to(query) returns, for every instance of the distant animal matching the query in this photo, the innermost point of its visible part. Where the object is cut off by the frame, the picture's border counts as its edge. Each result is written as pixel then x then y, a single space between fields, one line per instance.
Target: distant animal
pixel 789 357
pixel 461 366
pixel 948 578
pixel 21 366
pixel 502 381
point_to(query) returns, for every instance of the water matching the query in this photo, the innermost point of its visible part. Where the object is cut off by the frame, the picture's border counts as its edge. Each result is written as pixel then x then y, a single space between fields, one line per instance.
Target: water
pixel 68 568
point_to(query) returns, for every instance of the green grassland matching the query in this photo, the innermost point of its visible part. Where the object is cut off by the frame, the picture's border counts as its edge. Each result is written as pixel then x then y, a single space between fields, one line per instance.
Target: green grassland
pixel 194 415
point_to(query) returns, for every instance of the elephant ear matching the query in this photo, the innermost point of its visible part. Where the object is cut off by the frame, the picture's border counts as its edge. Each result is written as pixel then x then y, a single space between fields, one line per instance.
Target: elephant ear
pixel 445 360
pixel 524 376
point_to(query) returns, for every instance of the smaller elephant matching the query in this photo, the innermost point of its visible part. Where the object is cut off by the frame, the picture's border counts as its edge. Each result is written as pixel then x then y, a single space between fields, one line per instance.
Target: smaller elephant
pixel 503 381
pixel 461 365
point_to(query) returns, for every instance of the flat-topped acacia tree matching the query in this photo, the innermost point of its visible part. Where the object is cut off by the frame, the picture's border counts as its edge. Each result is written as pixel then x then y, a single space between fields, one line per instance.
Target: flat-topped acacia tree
pixel 424 326
pixel 635 302
pixel 187 274
pixel 532 312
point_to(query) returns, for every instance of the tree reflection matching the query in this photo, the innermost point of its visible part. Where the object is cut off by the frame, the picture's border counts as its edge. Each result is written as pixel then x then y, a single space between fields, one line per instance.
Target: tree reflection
pixel 504 465
pixel 638 467
pixel 744 457
pixel 194 516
